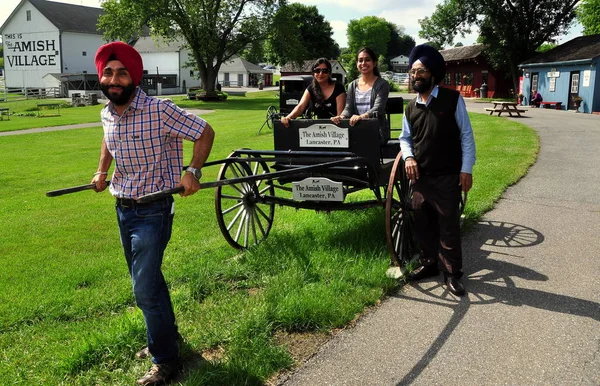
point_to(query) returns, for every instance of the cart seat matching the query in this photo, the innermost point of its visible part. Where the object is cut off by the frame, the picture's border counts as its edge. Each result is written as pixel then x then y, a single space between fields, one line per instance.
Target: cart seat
pixel 395 105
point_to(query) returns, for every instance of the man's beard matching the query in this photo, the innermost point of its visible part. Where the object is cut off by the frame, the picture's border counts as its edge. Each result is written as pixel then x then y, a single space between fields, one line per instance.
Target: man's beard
pixel 424 86
pixel 118 99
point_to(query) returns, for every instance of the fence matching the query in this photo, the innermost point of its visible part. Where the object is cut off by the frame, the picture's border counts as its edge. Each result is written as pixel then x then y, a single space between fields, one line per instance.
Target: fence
pixel 7 94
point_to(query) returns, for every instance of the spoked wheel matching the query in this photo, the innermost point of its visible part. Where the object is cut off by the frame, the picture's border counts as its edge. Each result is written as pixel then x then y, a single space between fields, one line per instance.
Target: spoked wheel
pixel 399 217
pixel 271 114
pixel 244 217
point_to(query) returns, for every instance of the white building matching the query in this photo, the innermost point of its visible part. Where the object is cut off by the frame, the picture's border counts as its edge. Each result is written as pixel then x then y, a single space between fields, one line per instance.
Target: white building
pixel 399 63
pixel 165 62
pixel 43 37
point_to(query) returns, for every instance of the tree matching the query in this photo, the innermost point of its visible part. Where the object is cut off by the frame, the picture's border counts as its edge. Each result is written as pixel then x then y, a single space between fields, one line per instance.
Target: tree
pixel 399 44
pixel 214 30
pixel 512 29
pixel 545 47
pixel 254 52
pixel 369 31
pixel 299 32
pixel 588 14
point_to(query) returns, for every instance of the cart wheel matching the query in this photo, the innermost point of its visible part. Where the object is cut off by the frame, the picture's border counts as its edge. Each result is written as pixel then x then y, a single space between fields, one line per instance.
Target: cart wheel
pixel 399 220
pixel 244 216
pixel 271 114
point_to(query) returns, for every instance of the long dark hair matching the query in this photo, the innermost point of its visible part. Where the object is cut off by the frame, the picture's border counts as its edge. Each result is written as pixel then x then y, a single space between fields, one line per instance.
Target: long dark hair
pixel 319 98
pixel 373 56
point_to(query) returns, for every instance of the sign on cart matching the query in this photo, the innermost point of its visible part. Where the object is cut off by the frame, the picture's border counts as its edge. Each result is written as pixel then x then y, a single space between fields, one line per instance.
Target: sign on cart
pixel 318 189
pixel 324 135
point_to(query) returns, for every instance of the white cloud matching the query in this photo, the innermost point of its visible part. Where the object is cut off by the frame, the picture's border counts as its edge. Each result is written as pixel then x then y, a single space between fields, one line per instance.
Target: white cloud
pixel 339 32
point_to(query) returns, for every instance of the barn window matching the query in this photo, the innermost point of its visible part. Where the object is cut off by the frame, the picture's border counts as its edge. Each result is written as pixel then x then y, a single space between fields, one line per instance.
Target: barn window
pixel 84 53
pixel 28 15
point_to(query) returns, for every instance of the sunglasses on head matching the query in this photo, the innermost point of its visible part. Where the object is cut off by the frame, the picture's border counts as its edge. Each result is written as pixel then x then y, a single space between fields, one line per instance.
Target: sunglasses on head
pixel 321 70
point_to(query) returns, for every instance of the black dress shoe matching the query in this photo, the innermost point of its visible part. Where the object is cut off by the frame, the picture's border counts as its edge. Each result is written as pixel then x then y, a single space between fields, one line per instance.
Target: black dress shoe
pixel 423 272
pixel 454 285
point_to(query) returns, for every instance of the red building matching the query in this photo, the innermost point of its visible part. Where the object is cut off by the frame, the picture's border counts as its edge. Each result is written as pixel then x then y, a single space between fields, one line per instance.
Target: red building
pixel 467 69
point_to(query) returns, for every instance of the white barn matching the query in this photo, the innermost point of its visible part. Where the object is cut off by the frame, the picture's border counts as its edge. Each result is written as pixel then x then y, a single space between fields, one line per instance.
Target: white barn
pixel 165 62
pixel 399 63
pixel 44 37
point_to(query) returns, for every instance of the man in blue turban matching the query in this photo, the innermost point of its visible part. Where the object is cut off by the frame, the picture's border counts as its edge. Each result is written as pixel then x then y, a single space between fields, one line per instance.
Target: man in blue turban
pixel 439 152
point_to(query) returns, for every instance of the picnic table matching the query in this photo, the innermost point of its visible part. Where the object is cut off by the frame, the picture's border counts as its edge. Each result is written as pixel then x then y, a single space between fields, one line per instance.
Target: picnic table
pixel 505 107
pixel 54 109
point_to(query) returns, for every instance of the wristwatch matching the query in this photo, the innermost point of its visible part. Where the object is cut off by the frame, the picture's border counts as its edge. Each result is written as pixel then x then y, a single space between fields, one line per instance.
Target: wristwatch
pixel 195 172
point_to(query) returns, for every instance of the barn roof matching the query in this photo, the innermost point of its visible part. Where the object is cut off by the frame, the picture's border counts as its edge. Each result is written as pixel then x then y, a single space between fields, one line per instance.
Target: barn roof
pixel 70 17
pixel 462 53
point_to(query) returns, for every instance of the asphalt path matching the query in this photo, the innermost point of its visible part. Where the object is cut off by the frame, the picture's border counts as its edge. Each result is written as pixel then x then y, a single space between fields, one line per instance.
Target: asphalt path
pixel 532 313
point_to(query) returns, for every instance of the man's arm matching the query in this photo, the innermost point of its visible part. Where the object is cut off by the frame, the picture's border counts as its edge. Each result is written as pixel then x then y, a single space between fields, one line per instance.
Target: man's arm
pixel 406 146
pixel 202 148
pixel 467 142
pixel 103 166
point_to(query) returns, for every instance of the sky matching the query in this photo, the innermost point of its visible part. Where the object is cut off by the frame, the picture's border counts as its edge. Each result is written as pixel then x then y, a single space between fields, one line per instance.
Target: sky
pixel 405 13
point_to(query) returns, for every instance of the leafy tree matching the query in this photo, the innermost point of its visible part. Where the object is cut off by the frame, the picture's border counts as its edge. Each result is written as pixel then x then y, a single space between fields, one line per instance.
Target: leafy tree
pixel 214 30
pixel 459 44
pixel 512 29
pixel 370 31
pixel 254 52
pixel 399 44
pixel 545 47
pixel 299 33
pixel 588 14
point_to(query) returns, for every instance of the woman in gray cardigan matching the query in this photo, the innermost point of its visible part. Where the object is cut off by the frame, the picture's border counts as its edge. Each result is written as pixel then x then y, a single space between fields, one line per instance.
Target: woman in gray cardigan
pixel 367 96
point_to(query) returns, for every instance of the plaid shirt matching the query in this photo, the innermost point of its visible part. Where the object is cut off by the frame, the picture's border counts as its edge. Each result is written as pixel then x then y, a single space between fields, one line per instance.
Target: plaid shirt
pixel 146 143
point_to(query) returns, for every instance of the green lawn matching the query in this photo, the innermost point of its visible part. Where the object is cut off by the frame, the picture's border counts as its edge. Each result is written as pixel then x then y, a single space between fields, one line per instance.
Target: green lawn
pixel 67 314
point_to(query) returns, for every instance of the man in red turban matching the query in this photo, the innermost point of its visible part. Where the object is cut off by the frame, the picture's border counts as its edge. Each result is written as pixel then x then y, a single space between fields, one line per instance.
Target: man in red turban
pixel 130 61
pixel 144 136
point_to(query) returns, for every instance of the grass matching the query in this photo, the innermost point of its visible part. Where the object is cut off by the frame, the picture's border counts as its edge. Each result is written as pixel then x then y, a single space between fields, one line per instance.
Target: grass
pixel 67 315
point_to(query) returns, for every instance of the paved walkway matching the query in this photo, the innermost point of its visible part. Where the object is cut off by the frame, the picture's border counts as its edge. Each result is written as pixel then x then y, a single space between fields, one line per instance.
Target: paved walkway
pixel 532 314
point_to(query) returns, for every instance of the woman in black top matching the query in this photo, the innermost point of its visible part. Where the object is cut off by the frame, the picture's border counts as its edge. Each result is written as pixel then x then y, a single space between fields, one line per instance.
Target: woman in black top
pixel 328 97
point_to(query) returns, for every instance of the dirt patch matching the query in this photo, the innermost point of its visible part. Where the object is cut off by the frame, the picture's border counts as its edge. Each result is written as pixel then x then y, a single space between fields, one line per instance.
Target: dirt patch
pixel 301 346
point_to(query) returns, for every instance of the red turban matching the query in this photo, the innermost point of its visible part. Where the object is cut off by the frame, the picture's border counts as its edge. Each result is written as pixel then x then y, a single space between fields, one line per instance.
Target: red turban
pixel 125 54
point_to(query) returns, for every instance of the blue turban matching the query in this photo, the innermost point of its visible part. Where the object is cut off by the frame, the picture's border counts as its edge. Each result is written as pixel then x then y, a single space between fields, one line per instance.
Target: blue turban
pixel 431 58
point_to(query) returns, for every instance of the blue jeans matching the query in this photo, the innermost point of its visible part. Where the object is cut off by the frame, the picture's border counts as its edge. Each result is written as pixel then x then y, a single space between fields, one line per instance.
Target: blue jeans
pixel 145 233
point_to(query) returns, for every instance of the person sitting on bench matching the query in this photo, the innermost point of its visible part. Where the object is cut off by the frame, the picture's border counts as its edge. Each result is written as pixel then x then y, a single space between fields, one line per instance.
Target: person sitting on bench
pixel 536 98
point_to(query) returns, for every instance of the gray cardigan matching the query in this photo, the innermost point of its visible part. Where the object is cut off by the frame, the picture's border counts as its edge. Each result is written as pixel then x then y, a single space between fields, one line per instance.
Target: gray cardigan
pixel 379 97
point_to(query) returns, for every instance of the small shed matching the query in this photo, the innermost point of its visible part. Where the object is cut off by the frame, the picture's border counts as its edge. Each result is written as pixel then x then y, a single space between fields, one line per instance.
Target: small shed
pixel 566 74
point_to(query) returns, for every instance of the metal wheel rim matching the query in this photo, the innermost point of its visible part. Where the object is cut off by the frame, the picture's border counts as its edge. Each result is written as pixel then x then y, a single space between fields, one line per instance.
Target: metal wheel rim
pixel 243 217
pixel 400 232
pixel 271 113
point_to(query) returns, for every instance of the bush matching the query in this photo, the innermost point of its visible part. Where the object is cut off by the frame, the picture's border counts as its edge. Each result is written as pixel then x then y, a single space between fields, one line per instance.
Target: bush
pixel 393 86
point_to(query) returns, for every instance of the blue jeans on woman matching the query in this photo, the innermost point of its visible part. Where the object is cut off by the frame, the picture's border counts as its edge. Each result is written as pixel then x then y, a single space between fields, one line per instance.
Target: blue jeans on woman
pixel 145 233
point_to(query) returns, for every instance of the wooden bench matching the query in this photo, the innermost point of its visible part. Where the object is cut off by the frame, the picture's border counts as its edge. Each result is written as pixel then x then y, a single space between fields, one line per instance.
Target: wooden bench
pixel 4 111
pixel 49 106
pixel 547 105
